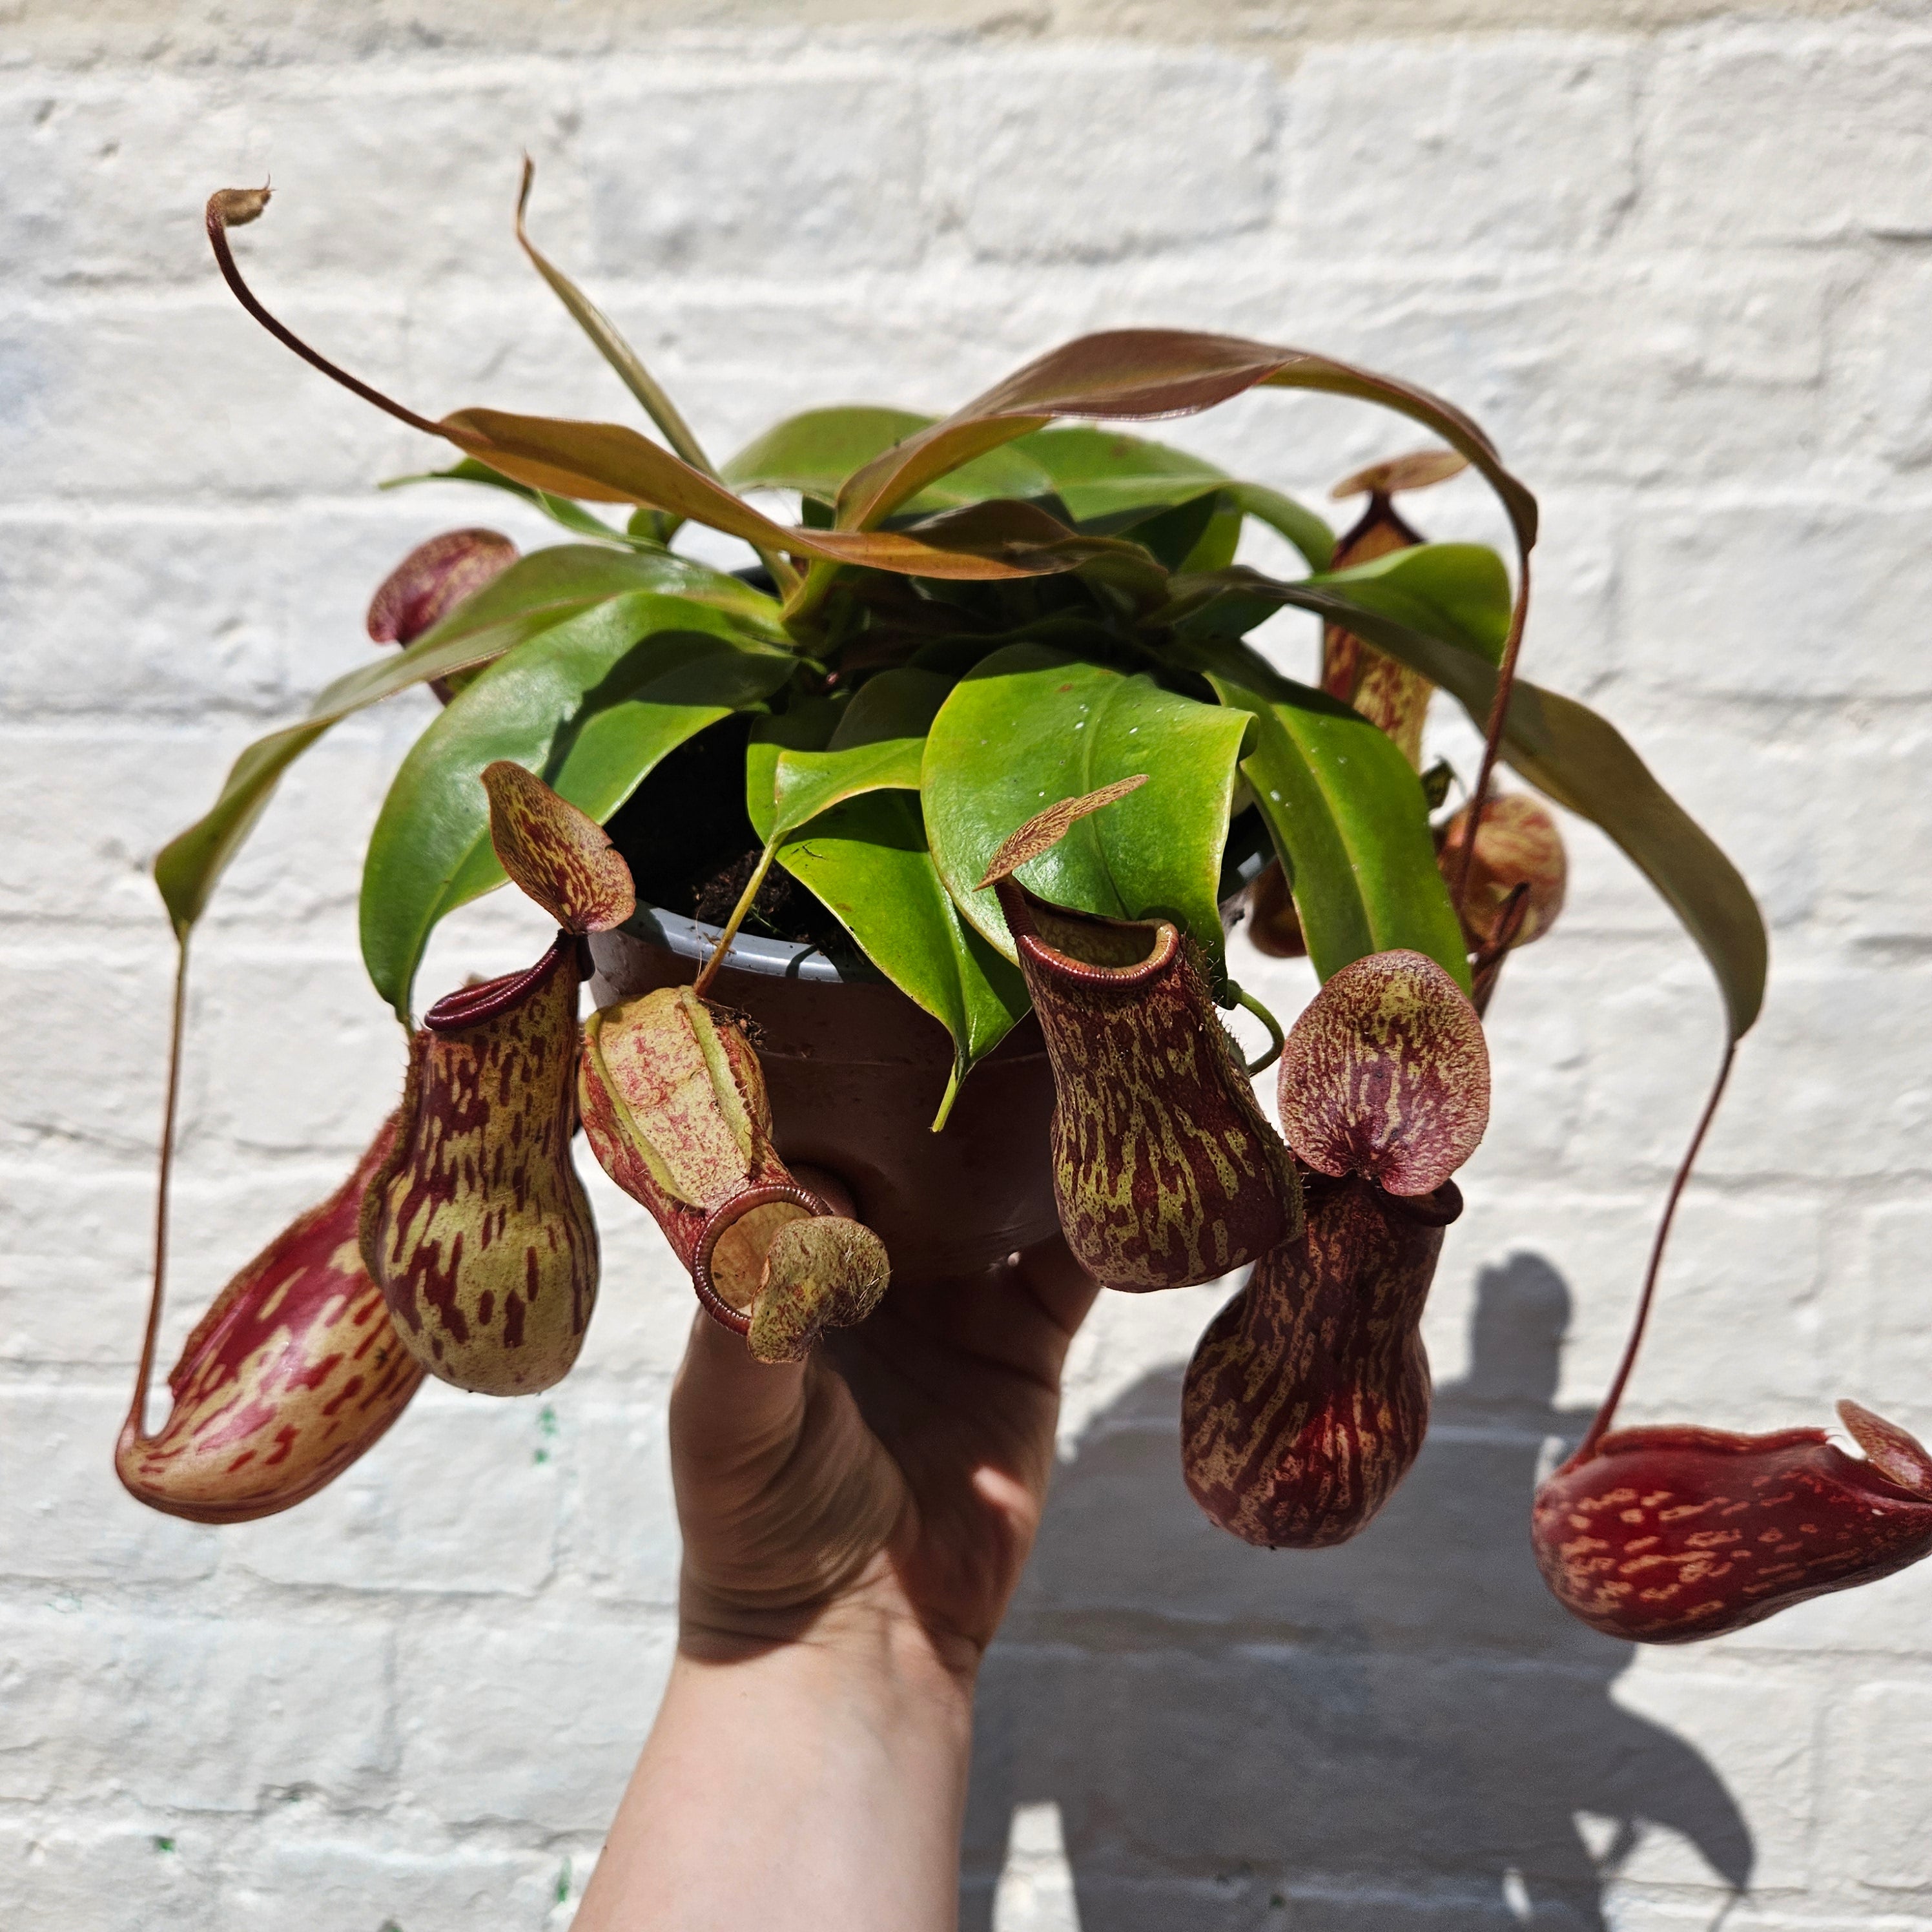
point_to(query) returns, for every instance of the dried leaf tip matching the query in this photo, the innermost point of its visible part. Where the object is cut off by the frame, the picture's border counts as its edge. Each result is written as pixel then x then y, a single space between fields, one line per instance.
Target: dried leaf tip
pixel 1416 471
pixel 236 207
pixel 1045 830
pixel 556 854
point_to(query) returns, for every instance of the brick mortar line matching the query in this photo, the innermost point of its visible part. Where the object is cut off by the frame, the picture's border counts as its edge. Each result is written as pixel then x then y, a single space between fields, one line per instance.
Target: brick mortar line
pixel 1500 271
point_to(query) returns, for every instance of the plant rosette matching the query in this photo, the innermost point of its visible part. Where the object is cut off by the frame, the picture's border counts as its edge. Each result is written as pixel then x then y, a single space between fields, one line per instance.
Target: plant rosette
pixel 901 860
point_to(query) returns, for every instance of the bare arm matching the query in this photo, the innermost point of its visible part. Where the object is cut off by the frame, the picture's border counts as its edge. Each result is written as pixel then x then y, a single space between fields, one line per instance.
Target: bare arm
pixel 854 1529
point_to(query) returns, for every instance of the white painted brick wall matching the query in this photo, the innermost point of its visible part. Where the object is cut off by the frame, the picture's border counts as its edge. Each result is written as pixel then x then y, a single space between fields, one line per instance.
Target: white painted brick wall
pixel 1676 262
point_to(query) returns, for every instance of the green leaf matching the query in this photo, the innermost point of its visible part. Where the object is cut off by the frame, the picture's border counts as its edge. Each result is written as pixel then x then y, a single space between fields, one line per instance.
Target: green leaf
pixel 551 584
pixel 535 594
pixel 1215 548
pixel 878 745
pixel 1567 751
pixel 1197 535
pixel 806 725
pixel 1099 472
pixel 1459 591
pixel 188 867
pixel 591 712
pixel 1349 819
pixel 1580 760
pixel 865 858
pixel 814 453
pixel 1309 533
pixel 867 861
pixel 1028 727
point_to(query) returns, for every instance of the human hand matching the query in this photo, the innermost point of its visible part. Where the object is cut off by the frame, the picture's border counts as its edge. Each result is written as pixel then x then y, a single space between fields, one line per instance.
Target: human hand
pixel 854 1526
pixel 894 1479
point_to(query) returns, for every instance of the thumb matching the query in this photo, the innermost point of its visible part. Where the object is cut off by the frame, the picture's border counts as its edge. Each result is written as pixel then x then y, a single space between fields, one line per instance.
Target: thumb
pixel 729 1409
pixel 731 1414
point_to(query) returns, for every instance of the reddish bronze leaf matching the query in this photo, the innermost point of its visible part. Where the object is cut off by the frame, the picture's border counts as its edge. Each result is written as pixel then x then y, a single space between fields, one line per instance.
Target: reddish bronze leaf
pixel 294 1372
pixel 432 579
pixel 1666 1535
pixel 1386 1074
pixel 1518 845
pixel 1164 1171
pixel 477 1227
pixel 555 853
pixel 1141 373
pixel 1307 1399
pixel 674 1106
pixel 610 462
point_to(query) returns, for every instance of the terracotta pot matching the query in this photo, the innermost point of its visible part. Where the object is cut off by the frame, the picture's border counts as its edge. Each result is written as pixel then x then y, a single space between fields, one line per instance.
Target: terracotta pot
pixel 855 1072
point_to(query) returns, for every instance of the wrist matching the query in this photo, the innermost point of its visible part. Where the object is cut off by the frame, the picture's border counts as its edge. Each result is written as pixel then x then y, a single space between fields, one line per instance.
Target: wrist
pixel 800 1774
pixel 869 1633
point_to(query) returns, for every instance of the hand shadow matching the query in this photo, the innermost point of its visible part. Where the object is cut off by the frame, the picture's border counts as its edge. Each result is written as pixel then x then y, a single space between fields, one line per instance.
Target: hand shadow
pixel 1396 1734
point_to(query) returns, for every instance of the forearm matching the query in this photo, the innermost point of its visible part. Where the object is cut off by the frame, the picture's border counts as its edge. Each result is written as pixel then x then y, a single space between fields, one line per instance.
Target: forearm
pixel 816 1783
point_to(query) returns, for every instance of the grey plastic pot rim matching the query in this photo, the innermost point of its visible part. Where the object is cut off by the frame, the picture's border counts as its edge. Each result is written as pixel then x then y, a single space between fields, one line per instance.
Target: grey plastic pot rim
pixel 793 959
pixel 774 959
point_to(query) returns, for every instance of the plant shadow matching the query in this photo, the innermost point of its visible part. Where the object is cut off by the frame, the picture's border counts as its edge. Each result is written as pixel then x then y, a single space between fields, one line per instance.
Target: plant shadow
pixel 1395 1735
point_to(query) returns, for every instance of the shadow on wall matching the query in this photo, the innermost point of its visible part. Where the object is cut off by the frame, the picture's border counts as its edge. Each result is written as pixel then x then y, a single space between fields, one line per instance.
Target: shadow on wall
pixel 1397 1734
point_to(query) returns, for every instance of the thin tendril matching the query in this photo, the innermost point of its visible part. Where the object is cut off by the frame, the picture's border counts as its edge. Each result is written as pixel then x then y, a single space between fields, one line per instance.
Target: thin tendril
pixel 137 1410
pixel 1277 1041
pixel 1492 737
pixel 1485 968
pixel 217 237
pixel 1607 1414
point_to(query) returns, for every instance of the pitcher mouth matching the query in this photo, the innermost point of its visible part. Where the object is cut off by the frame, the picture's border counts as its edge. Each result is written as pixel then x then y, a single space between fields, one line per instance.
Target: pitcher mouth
pixel 1088 948
pixel 1441 1209
pixel 1438 1210
pixel 739 1320
pixel 470 1006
